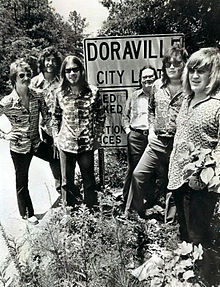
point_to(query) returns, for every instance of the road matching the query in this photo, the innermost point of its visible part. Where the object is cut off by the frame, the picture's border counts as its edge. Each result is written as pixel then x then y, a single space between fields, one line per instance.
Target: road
pixel 41 186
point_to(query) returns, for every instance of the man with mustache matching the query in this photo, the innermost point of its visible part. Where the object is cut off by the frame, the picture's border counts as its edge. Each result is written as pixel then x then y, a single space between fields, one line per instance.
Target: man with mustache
pixel 23 107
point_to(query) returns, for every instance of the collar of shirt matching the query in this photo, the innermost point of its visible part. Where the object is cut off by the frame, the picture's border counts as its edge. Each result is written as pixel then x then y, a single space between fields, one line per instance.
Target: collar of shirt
pixel 140 92
pixel 210 96
pixel 16 98
pixel 69 92
pixel 164 86
pixel 42 80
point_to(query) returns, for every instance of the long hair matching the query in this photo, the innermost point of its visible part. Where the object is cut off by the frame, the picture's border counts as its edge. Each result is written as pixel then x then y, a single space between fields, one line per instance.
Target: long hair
pixel 173 51
pixel 209 60
pixel 19 63
pixel 83 84
pixel 50 51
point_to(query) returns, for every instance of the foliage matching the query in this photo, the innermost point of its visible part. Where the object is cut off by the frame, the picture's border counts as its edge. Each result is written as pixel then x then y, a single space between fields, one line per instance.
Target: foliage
pixel 101 248
pixel 78 24
pixel 79 249
pixel 29 26
pixel 172 268
pixel 96 248
pixel 197 19
pixel 115 167
pixel 12 248
pixel 203 170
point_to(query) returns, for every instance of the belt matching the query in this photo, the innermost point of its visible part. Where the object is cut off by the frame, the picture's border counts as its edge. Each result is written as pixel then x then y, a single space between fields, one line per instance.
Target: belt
pixel 164 135
pixel 143 132
pixel 167 138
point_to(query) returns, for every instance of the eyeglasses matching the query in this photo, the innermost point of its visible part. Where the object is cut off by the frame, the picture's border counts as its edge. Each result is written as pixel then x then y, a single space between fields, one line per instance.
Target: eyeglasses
pixel 74 70
pixel 175 63
pixel 22 75
pixel 148 77
pixel 199 71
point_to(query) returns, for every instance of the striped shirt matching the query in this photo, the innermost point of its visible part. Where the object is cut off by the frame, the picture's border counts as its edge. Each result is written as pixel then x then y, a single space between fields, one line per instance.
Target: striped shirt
pixel 163 109
pixel 24 121
pixel 78 120
pixel 48 89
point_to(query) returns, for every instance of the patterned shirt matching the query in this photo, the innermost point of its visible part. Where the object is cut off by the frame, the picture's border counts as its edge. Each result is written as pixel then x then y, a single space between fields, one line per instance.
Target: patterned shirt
pixel 78 120
pixel 24 121
pixel 40 84
pixel 199 125
pixel 136 111
pixel 163 109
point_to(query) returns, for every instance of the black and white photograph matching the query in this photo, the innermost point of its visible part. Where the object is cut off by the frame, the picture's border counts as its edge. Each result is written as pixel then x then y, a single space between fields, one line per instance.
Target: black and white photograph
pixel 109 143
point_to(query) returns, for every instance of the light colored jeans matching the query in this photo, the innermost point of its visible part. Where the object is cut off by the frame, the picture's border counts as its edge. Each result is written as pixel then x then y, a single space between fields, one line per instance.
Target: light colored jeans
pixel 156 156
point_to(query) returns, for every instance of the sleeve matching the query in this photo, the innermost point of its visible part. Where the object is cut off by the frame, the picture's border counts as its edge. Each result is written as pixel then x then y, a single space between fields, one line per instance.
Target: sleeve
pixel 4 105
pixel 151 106
pixel 126 113
pixel 46 115
pixel 217 148
pixel 56 117
pixel 99 116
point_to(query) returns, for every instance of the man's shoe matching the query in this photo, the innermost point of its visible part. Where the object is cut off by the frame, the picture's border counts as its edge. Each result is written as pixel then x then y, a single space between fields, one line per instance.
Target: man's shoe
pixel 32 220
pixel 142 214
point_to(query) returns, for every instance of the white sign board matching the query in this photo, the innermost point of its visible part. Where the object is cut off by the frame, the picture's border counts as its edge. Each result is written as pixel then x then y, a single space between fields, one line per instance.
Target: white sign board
pixel 114 103
pixel 114 63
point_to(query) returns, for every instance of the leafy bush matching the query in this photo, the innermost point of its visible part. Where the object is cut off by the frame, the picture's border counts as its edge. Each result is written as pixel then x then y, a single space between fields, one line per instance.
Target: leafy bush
pixel 203 170
pixel 97 248
pixel 101 248
pixel 115 167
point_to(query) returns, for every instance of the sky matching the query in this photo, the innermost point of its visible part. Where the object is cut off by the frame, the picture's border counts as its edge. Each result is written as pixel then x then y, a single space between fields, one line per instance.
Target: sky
pixel 92 10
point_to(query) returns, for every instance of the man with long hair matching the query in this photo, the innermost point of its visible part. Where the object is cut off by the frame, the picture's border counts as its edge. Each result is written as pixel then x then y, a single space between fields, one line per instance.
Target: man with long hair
pixel 78 122
pixel 166 99
pixel 46 82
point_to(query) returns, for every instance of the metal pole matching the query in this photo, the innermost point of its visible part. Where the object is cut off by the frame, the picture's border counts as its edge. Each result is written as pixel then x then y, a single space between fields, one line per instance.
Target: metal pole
pixel 101 167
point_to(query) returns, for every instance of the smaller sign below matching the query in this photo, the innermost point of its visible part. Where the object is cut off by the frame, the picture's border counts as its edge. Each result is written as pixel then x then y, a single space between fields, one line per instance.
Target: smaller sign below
pixel 114 102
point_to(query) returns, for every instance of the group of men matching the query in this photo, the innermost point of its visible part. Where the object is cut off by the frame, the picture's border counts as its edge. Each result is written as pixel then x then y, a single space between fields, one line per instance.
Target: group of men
pixel 149 121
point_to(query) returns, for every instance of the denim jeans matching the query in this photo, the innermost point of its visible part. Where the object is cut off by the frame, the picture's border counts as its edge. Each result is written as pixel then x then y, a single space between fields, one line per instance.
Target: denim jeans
pixel 22 164
pixel 85 161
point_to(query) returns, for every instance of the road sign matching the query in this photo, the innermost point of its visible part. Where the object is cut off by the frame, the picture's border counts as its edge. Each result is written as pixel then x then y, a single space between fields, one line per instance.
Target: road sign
pixel 113 65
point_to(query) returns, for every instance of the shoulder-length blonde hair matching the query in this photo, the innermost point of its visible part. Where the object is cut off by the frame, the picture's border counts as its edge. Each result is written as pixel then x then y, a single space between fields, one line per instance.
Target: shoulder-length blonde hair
pixel 209 60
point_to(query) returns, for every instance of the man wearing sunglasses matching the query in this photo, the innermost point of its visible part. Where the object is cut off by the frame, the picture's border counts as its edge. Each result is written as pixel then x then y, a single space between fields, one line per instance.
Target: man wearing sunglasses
pixel 165 101
pixel 23 108
pixel 78 122
pixel 47 82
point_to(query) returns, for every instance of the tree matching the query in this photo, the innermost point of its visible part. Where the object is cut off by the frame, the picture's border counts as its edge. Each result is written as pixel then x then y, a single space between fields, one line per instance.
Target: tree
pixel 197 19
pixel 78 24
pixel 28 26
